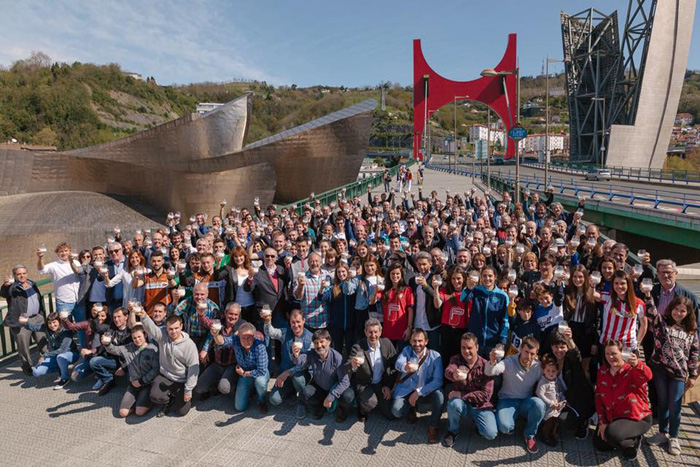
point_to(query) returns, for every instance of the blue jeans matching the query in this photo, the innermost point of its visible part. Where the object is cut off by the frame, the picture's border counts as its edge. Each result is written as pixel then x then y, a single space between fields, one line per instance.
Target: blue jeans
pixel 53 363
pixel 484 419
pixel 82 369
pixel 532 409
pixel 79 314
pixel 104 368
pixel 434 401
pixel 669 393
pixel 294 384
pixel 64 306
pixel 243 390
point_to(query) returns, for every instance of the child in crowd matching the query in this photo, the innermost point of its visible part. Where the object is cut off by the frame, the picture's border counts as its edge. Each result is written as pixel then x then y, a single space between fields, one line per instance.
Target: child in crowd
pixel 550 390
pixel 674 365
pixel 549 313
pixel 523 325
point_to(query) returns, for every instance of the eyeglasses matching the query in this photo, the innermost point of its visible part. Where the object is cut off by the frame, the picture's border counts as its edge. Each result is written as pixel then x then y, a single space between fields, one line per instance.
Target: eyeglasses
pixel 112 252
pixel 270 256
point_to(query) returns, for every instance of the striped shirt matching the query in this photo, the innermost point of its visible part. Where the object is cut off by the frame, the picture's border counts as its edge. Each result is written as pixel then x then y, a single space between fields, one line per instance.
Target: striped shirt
pixel 618 323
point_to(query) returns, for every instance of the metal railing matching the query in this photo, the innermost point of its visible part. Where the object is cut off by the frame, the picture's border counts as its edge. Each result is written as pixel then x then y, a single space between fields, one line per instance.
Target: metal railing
pixel 657 198
pixel 8 347
pixel 356 188
pixel 629 195
pixel 628 173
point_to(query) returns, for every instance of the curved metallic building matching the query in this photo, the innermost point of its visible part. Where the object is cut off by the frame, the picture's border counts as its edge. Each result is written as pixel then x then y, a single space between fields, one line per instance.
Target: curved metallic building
pixel 192 163
pixel 83 219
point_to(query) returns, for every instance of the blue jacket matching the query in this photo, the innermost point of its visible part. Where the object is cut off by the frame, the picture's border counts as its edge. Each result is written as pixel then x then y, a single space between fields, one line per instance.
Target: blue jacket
pixel 341 308
pixel 427 379
pixel 489 316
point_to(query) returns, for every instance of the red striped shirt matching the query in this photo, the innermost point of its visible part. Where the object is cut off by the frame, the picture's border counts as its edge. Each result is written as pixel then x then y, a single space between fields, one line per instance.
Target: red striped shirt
pixel 618 323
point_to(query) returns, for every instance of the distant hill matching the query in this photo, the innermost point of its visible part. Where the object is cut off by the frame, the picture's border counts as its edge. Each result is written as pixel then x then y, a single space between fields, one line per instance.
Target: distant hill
pixel 77 105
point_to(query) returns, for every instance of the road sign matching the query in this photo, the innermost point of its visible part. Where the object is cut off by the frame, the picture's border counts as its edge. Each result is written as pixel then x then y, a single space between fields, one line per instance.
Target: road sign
pixel 517 133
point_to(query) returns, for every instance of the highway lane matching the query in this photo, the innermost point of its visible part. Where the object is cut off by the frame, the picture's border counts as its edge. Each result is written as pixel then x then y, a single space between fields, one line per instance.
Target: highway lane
pixel 674 193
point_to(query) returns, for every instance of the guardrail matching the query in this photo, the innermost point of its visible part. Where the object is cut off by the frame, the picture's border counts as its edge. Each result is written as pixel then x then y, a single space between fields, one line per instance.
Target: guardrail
pixel 628 173
pixel 657 198
pixel 356 188
pixel 7 344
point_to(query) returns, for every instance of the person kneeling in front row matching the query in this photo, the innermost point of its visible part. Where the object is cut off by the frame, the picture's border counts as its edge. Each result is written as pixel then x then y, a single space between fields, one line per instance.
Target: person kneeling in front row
pixel 330 383
pixel 142 364
pixel 419 383
pixel 470 392
pixel 179 366
pixel 521 373
pixel 371 369
pixel 251 368
pixel 295 336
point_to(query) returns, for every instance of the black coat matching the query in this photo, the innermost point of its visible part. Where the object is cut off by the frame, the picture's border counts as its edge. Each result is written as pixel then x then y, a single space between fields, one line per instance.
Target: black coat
pixel 580 395
pixel 264 291
pixel 363 375
pixel 17 300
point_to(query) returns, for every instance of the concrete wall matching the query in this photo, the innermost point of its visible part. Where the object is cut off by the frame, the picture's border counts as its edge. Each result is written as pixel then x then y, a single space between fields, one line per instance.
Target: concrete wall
pixel 645 143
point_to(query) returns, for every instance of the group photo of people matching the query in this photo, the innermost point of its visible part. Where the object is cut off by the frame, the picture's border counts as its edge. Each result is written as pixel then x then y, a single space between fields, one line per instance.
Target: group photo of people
pixel 445 307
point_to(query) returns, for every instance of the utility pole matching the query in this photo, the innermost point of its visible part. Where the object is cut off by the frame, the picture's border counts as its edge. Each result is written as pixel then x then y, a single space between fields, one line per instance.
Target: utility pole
pixel 488 148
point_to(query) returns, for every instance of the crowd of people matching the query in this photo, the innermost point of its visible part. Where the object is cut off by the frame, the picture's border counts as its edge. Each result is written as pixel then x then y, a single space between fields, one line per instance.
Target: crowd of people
pixel 397 304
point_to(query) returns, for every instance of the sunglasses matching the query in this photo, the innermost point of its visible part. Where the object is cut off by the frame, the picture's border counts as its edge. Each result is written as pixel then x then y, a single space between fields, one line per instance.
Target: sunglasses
pixel 270 256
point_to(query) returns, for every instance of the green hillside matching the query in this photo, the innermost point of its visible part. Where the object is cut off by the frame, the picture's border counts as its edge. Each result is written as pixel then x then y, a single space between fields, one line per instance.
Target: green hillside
pixel 77 105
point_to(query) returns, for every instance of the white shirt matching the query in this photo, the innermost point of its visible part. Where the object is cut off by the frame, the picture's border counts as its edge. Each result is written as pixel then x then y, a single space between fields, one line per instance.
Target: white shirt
pixel 375 356
pixel 65 281
pixel 129 292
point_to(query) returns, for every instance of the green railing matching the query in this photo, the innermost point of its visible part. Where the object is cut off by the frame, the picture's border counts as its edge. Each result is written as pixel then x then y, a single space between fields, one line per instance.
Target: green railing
pixel 7 344
pixel 357 188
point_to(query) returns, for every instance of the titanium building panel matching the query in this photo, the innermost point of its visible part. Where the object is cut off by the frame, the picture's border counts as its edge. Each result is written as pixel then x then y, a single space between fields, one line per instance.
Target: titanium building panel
pixel 188 165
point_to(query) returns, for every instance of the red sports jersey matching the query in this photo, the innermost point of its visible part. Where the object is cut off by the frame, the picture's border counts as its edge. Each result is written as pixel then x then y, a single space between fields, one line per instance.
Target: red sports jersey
pixel 618 323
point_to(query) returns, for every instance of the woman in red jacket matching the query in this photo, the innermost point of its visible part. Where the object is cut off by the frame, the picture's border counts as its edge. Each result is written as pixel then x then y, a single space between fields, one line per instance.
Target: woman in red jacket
pixel 621 402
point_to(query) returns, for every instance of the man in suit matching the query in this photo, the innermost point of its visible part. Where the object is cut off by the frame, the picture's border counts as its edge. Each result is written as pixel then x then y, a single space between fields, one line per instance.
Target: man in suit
pixel 268 287
pixel 371 369
pixel 115 264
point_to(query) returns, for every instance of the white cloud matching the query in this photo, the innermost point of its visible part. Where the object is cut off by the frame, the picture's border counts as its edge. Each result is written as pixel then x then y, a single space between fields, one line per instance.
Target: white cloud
pixel 176 42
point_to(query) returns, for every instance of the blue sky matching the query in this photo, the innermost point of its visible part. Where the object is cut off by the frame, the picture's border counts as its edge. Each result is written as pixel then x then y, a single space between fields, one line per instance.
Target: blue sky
pixel 303 42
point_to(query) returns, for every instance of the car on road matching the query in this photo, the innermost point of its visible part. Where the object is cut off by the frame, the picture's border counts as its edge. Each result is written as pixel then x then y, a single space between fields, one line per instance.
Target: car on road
pixel 599 174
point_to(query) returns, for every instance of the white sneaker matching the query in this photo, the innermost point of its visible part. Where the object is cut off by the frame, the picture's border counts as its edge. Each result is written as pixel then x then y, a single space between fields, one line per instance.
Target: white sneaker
pixel 657 440
pixel 674 447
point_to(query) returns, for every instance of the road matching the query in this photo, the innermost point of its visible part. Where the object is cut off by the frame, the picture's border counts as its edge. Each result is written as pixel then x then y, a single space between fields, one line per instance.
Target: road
pixel 676 195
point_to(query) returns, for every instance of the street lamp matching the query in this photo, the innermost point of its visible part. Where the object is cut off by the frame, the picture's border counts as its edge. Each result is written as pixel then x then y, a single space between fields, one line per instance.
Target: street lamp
pixel 490 72
pixel 455 151
pixel 546 131
pixel 601 152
